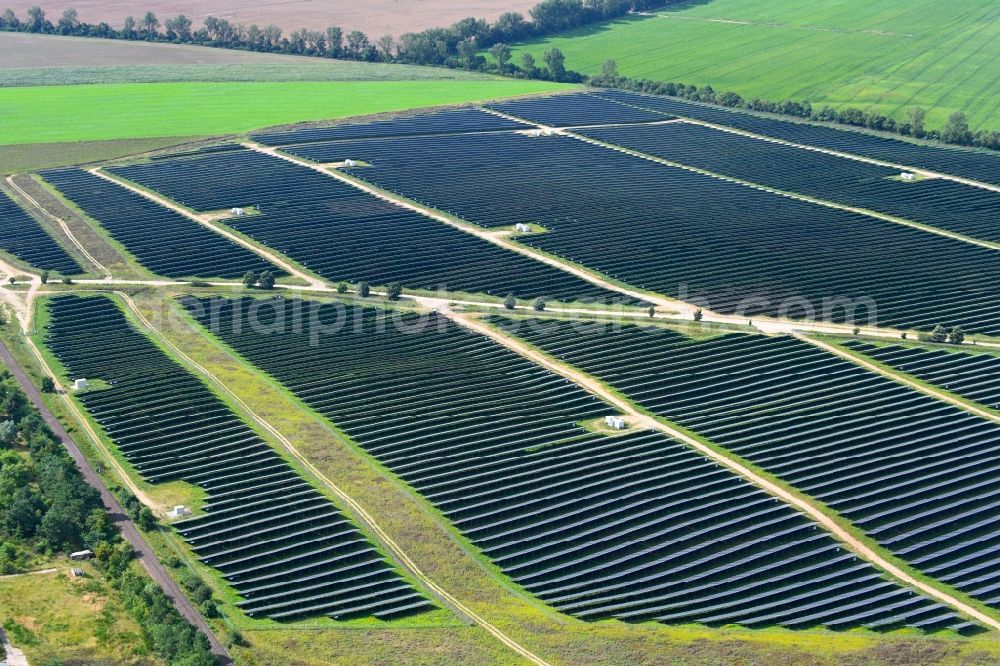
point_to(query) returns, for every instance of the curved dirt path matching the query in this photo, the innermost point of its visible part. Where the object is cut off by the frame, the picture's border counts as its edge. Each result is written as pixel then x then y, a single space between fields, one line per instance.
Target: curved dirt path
pixel 102 269
pixel 367 520
pixel 597 388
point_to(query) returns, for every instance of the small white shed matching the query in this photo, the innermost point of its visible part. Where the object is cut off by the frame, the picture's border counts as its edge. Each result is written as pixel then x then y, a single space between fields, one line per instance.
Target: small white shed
pixel 615 422
pixel 906 175
pixel 179 511
pixel 238 212
pixel 521 227
pixel 79 384
pixel 350 163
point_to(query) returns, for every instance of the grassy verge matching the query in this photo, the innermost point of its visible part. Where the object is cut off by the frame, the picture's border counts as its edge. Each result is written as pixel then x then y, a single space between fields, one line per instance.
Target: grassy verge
pixel 18 158
pixel 86 231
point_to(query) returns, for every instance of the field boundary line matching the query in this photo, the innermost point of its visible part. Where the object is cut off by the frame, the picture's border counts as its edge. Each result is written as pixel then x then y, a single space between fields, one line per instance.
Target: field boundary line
pixel 819 149
pixel 885 217
pixel 899 377
pixel 62 225
pixel 204 220
pixel 364 517
pixel 595 387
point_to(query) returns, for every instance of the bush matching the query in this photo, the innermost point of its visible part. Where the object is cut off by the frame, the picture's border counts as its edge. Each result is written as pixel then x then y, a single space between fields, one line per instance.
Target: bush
pixel 539 304
pixel 364 289
pixel 510 301
pixel 394 291
pixel 48 385
pixel 266 280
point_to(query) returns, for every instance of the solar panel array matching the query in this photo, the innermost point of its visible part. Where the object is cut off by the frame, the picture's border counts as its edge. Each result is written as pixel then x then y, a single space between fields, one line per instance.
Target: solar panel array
pixel 164 241
pixel 343 233
pixel 978 165
pixel 451 121
pixel 280 543
pixel 975 376
pixel 918 475
pixel 575 109
pixel 732 248
pixel 937 202
pixel 636 527
pixel 22 236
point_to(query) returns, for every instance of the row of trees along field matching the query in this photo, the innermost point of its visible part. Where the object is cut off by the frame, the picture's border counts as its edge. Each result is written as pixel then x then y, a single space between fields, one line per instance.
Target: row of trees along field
pixel 46 508
pixel 464 45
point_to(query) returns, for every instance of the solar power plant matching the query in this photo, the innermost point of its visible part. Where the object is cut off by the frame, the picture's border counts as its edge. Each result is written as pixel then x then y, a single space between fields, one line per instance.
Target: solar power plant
pixel 164 241
pixel 22 236
pixel 282 545
pixel 917 475
pixel 636 527
pixel 972 375
pixel 344 233
pixel 450 121
pixel 733 248
pixel 937 202
pixel 977 165
pixel 575 110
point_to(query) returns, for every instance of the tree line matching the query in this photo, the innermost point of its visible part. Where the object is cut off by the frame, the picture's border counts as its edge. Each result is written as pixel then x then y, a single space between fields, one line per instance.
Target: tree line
pixel 46 507
pixel 464 45
pixel 458 46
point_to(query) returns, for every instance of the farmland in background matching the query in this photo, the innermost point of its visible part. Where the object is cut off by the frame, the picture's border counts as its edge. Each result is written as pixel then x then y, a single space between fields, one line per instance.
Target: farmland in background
pixel 880 56
pixel 375 17
pixel 28 59
pixel 160 95
pixel 133 110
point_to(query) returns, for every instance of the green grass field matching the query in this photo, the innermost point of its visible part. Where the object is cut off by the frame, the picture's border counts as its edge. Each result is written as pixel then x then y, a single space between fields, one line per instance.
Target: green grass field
pixel 309 69
pixel 144 110
pixel 883 55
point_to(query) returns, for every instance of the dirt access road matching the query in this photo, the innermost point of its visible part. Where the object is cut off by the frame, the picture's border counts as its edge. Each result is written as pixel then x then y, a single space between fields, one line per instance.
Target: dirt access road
pixel 131 533
pixel 374 17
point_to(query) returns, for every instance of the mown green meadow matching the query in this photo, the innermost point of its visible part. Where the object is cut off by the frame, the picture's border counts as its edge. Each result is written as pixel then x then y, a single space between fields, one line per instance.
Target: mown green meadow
pixel 883 55
pixel 143 110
